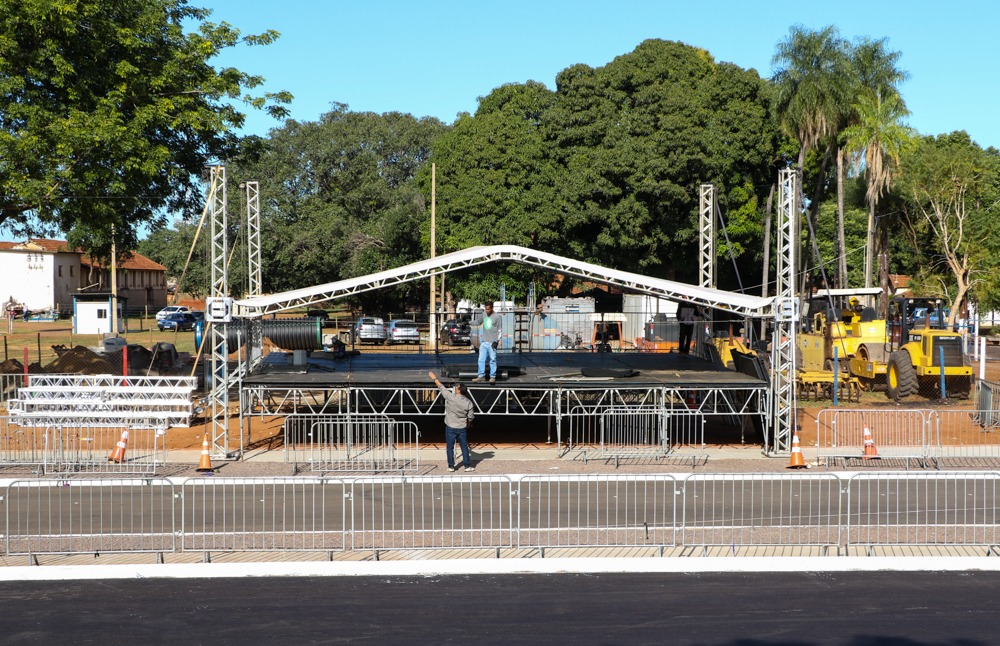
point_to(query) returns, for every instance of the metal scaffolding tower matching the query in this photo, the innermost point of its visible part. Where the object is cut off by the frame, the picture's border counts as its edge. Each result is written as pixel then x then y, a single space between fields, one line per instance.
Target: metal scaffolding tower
pixel 219 289
pixel 252 189
pixel 706 230
pixel 786 314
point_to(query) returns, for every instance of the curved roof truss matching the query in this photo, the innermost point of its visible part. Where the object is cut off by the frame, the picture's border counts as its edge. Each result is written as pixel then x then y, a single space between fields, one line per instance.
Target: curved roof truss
pixel 742 304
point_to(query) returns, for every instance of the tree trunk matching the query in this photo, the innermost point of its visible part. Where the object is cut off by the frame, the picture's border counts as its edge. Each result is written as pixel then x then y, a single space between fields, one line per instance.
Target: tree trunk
pixel 767 243
pixel 841 241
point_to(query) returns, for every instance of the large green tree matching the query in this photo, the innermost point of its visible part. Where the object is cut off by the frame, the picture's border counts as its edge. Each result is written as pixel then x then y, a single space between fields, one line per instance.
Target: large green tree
pixel 109 111
pixel 607 168
pixel 949 185
pixel 339 199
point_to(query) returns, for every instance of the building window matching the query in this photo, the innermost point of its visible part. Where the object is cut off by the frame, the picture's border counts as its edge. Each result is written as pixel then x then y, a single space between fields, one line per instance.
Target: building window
pixel 71 271
pixel 102 313
pixel 60 271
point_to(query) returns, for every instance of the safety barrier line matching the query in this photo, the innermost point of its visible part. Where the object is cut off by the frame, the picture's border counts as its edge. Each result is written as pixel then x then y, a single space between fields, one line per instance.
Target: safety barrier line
pixel 837 513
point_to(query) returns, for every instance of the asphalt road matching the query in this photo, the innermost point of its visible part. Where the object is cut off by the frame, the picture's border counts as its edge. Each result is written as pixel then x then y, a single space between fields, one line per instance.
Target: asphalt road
pixel 854 609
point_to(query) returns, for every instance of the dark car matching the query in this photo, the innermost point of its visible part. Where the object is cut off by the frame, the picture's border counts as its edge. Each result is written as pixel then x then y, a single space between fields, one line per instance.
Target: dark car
pixel 180 321
pixel 456 332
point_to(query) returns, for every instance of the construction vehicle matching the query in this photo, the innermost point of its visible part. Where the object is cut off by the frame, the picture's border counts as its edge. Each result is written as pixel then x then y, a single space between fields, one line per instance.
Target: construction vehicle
pixel 840 330
pixel 922 356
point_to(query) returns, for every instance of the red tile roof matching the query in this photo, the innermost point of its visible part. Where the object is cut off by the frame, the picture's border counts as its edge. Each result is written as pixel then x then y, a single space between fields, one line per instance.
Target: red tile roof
pixel 136 261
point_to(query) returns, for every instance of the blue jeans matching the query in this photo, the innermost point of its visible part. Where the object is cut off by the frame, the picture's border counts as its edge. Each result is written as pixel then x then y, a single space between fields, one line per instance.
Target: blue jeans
pixel 486 350
pixel 462 435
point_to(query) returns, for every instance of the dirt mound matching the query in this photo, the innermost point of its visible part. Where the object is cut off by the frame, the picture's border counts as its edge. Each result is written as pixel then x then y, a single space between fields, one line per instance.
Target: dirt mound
pixel 11 366
pixel 80 361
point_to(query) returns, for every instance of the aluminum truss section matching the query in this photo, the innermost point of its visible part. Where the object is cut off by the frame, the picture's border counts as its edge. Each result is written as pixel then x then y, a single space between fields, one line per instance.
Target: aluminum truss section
pixel 76 401
pixel 252 196
pixel 217 332
pixel 786 315
pixel 706 238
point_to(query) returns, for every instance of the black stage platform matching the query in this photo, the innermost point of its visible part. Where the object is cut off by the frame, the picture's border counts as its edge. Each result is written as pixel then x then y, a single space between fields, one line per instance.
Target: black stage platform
pixel 539 370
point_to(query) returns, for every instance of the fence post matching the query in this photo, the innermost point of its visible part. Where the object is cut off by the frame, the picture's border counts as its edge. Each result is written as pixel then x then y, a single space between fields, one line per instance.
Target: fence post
pixel 944 394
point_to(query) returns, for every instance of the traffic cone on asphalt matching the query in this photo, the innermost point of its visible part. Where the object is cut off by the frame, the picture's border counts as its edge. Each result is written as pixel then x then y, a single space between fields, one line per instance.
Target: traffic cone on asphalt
pixel 796 461
pixel 205 464
pixel 870 452
pixel 118 453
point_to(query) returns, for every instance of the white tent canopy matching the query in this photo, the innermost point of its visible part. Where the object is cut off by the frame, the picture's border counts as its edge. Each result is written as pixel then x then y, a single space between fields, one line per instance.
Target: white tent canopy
pixel 742 304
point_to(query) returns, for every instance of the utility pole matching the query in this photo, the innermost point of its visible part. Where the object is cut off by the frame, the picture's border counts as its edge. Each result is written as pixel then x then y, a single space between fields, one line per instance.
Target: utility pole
pixel 114 283
pixel 433 309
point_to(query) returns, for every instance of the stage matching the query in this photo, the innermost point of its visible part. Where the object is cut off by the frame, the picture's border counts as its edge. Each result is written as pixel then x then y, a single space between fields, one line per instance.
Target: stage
pixel 542 370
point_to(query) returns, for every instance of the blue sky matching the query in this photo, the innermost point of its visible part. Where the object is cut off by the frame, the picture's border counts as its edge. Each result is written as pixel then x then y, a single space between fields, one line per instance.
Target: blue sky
pixel 438 56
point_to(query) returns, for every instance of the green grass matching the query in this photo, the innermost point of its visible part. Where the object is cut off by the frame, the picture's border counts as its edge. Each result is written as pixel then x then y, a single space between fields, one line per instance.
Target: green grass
pixel 39 338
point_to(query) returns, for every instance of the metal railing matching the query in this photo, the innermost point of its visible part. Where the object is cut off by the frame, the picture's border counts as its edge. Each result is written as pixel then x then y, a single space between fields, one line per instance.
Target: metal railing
pixel 836 513
pixel 926 435
pixel 81 449
pixel 327 443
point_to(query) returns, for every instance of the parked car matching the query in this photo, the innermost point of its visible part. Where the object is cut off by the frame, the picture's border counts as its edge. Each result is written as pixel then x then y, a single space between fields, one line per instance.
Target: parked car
pixel 198 315
pixel 456 332
pixel 179 321
pixel 919 318
pixel 402 331
pixel 369 329
pixel 324 318
pixel 171 309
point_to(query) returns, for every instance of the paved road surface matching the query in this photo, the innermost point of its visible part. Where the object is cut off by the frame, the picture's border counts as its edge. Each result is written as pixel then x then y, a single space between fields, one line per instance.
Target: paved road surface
pixel 854 609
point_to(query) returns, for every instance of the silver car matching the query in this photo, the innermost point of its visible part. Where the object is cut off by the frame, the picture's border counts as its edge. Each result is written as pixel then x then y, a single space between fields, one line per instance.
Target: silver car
pixel 369 329
pixel 403 331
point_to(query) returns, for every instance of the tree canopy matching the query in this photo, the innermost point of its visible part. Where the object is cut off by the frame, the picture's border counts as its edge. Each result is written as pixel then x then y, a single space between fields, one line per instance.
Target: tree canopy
pixel 110 110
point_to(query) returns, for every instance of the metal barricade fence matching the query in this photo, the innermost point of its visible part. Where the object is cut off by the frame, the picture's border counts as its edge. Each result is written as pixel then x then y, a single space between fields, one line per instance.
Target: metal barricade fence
pixel 22 445
pixel 988 402
pixel 840 433
pixel 98 449
pixel 761 509
pixel 638 432
pixel 351 443
pixel 89 516
pixel 534 511
pixel 923 509
pixel 632 433
pixel 264 514
pixel 583 428
pixel 596 510
pixel 9 383
pixel 971 434
pixel 431 512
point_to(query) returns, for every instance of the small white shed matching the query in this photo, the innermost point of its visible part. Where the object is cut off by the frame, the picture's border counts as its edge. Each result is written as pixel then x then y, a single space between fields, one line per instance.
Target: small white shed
pixel 92 314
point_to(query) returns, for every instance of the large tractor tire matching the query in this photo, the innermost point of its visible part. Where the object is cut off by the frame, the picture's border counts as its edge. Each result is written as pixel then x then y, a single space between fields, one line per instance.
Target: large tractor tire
pixel 900 377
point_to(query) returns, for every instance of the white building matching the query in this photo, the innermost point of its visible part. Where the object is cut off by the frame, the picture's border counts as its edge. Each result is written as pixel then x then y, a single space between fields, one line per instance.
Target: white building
pixel 41 274
pixel 92 314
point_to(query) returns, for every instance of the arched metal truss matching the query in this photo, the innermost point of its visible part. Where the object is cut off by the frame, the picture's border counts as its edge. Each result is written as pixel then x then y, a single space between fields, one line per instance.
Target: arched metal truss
pixel 742 304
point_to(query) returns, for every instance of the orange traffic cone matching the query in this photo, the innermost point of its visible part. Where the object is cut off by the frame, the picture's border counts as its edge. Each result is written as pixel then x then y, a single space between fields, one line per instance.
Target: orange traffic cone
pixel 796 461
pixel 870 452
pixel 691 400
pixel 206 461
pixel 118 453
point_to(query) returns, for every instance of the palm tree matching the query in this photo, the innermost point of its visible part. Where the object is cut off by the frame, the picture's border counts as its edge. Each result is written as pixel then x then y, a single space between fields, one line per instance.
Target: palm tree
pixel 811 74
pixel 812 78
pixel 875 140
pixel 877 112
